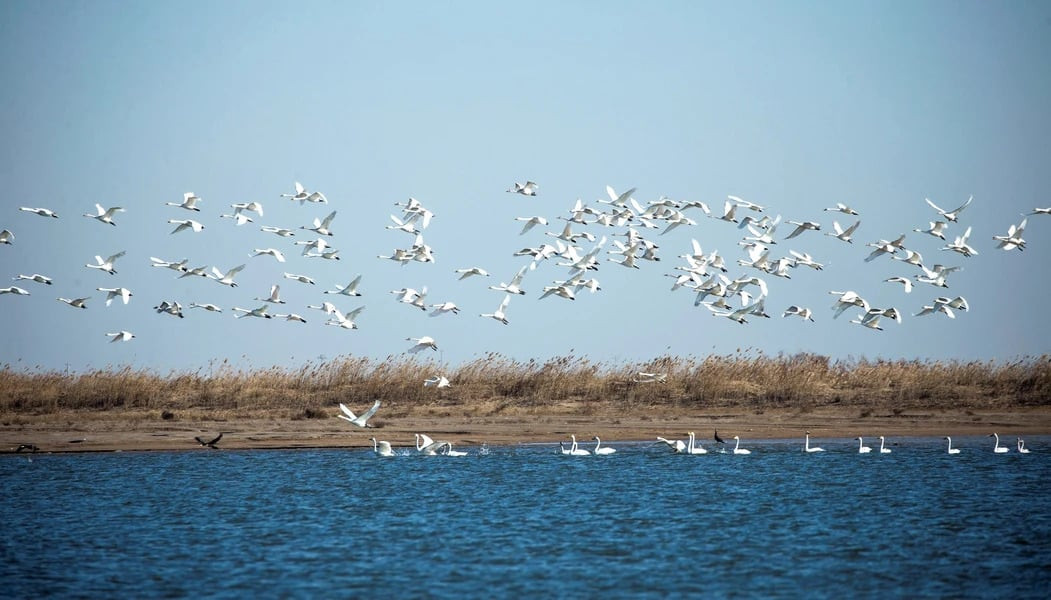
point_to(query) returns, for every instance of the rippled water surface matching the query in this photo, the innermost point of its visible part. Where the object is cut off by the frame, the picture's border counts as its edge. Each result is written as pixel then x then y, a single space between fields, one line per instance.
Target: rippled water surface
pixel 527 521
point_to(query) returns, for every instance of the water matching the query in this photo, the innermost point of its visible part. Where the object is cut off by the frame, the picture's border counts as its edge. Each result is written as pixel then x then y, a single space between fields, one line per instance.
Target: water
pixel 525 521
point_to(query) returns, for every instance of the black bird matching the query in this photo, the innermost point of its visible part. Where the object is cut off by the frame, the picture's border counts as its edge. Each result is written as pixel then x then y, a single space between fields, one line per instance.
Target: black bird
pixel 209 443
pixel 717 438
pixel 27 448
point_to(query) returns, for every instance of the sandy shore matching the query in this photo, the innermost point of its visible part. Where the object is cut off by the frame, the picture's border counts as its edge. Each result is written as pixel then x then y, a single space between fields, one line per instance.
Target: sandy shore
pixel 104 433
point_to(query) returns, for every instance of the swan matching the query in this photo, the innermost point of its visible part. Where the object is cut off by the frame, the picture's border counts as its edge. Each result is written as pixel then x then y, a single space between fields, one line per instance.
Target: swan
pixel 802 226
pixel 422 343
pixel 960 245
pixel 14 289
pixel 121 336
pixel 951 449
pixel 514 286
pixel 526 189
pixel 500 314
pixel 882 448
pixel 106 265
pixel 239 217
pixel 255 312
pixel 950 215
pixel 844 234
pixel 843 208
pixel 562 448
pixel 693 447
pixel 275 296
pixel 317 244
pixel 446 449
pixel 438 381
pixel 905 282
pixel 270 251
pixel 465 273
pixel 228 277
pixel 738 449
pixel 862 448
pixel 1021 446
pixel 290 317
pixel 111 293
pixel 576 451
pixel 808 448
pixel 1013 239
pixel 997 448
pixel 104 215
pixel 206 306
pixel 382 448
pixel 937 229
pixel 172 308
pixel 281 231
pixel 37 277
pixel 805 313
pixel 299 278
pixel 351 289
pixel 183 224
pixel 444 308
pixel 240 207
pixel 425 445
pixel 530 222
pixel 804 259
pixel 74 302
pixel 360 421
pixel 321 226
pixel 43 212
pixel 344 321
pixel 677 446
pixel 300 194
pixel 6 236
pixel 599 450
pixel 174 266
pixel 189 202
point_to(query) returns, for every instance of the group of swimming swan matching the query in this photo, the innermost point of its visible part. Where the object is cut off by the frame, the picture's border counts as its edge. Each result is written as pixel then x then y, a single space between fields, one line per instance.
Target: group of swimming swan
pixel 425 446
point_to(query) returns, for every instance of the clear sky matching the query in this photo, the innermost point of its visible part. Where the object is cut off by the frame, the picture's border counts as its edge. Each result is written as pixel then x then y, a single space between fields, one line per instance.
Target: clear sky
pixel 794 106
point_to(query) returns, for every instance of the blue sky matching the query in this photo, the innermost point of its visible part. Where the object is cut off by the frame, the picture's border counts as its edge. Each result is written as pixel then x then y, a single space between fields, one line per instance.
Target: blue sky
pixel 795 106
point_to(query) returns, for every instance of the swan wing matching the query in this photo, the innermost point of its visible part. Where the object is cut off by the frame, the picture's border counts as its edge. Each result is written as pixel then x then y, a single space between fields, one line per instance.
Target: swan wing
pixel 346 411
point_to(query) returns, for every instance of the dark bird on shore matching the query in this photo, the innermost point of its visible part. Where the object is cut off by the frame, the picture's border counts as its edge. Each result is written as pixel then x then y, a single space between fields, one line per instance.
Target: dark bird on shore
pixel 717 438
pixel 209 443
pixel 27 448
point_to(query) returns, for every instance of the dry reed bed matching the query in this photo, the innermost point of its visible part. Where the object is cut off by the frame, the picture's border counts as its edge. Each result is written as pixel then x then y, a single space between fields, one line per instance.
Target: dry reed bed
pixel 494 383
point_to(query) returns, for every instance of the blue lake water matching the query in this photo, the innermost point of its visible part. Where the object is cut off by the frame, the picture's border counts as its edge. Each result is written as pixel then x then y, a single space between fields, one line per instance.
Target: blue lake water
pixel 526 521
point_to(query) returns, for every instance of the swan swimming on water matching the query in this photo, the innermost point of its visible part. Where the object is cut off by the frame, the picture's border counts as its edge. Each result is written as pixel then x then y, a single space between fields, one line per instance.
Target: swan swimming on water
pixel 883 449
pixel 576 451
pixel 1021 446
pixel 997 448
pixel 599 450
pixel 738 449
pixel 951 449
pixel 808 448
pixel 862 448
pixel 382 448
pixel 693 447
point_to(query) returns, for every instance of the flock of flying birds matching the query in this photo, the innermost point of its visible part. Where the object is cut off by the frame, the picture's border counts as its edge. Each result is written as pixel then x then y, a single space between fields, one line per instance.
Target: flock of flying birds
pixel 573 246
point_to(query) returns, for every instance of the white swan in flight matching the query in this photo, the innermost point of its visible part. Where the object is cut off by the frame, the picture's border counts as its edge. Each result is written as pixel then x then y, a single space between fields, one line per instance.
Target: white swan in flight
pixel 843 208
pixel 997 448
pixel 530 222
pixel 802 226
pixel 961 246
pixel 104 215
pixel 950 215
pixel 362 420
pixel 6 237
pixel 797 311
pixel 322 226
pixel 382 448
pixel 808 448
pixel 693 447
pixel 344 321
pixel 74 302
pixel 299 278
pixel 43 212
pixel 239 217
pixel 438 381
pixel 444 308
pixel 173 308
pixel 35 277
pixel 465 273
pixel 240 207
pixel 179 266
pixel 184 224
pixel 206 306
pixel 500 314
pixel 1013 239
pixel 270 251
pixel 600 451
pixel 228 277
pixel 902 280
pixel 738 449
pixel 351 289
pixel 422 343
pixel 255 312
pixel 106 265
pixel 121 336
pixel 300 193
pixel 14 289
pixel 937 229
pixel 952 450
pixel 281 231
pixel 189 202
pixel 111 293
pixel 526 189
pixel 862 448
pixel 274 297
pixel 845 235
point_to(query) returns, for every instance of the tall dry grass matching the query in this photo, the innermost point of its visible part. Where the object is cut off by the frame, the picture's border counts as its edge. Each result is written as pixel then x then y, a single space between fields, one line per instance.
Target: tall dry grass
pixel 493 383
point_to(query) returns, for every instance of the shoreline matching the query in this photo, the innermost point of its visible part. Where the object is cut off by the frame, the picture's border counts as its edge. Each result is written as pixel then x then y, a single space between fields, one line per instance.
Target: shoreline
pixel 107 432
